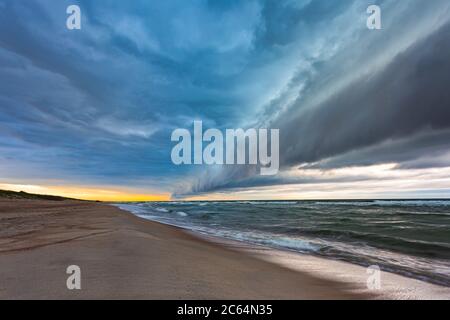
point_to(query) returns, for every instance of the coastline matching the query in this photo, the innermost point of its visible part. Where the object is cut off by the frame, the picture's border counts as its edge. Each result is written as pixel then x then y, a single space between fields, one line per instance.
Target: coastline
pixel 393 286
pixel 122 256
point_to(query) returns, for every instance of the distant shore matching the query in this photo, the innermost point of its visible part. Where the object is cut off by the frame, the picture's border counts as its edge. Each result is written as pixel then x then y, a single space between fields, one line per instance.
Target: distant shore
pixel 122 256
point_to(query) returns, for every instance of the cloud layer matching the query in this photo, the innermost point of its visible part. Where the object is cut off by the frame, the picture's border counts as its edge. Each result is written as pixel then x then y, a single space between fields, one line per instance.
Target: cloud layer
pixel 98 105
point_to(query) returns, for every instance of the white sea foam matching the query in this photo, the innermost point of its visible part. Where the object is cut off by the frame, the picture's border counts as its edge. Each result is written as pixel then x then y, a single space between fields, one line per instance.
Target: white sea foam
pixel 133 208
pixel 431 203
pixel 294 244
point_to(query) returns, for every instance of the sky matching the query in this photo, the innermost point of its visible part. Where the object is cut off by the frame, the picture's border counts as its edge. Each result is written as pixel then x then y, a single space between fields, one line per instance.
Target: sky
pixel 89 113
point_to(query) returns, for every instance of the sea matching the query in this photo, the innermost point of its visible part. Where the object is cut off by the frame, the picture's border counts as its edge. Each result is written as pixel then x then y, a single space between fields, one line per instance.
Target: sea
pixel 407 237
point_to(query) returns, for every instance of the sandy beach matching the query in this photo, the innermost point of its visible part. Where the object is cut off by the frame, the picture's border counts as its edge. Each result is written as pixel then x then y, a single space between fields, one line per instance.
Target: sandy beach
pixel 122 256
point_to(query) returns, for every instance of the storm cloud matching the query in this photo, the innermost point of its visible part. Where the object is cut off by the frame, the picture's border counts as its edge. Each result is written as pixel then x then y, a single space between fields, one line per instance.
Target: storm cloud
pixel 408 96
pixel 397 113
pixel 98 105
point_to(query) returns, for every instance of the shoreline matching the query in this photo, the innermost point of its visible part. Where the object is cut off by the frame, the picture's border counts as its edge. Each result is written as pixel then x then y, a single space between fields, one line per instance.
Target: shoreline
pixel 122 256
pixel 394 286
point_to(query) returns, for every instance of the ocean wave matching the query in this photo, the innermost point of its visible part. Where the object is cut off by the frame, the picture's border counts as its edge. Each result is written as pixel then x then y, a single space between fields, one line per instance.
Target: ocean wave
pixel 406 236
pixel 412 203
pixel 133 208
pixel 293 244
pixel 268 202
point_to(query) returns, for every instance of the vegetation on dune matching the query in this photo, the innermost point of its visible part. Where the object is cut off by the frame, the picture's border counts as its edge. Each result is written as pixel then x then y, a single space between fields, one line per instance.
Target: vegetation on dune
pixel 4 194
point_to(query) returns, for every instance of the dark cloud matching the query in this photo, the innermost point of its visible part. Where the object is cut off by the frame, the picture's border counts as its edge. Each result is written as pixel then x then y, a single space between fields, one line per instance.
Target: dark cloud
pixel 426 149
pixel 400 114
pixel 99 104
pixel 411 94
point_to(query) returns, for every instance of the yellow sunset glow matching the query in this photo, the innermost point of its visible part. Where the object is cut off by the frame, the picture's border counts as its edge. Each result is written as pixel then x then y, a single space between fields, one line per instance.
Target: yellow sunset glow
pixel 87 193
